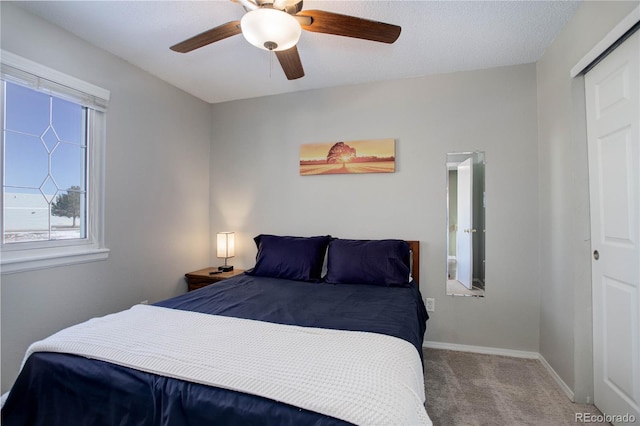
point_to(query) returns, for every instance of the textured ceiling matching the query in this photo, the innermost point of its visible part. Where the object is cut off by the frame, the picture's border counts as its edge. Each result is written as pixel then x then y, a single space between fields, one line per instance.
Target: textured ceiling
pixel 437 37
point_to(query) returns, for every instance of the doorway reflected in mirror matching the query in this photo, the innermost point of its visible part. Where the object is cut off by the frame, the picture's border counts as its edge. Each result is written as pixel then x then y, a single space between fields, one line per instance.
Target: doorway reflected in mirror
pixel 466 224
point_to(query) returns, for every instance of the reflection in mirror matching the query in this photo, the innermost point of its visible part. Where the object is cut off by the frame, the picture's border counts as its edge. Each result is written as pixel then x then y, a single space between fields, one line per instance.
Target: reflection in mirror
pixel 465 224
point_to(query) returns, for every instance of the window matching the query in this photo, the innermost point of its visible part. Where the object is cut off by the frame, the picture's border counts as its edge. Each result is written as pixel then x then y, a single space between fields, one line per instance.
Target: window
pixel 44 185
pixel 52 167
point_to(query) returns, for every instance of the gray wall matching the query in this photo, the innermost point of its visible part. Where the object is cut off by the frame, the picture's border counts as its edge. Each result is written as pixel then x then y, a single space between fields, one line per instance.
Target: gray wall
pixel 157 194
pixel 256 186
pixel 565 253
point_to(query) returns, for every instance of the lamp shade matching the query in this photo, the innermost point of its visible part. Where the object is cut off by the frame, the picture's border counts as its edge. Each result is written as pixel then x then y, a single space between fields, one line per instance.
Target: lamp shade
pixel 270 29
pixel 226 245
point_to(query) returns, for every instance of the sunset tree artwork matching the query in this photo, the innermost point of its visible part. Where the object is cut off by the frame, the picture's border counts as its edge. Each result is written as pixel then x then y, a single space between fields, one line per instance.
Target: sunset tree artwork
pixel 363 156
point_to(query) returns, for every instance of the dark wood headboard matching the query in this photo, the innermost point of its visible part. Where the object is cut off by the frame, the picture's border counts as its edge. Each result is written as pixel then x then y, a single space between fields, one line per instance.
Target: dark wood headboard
pixel 414 246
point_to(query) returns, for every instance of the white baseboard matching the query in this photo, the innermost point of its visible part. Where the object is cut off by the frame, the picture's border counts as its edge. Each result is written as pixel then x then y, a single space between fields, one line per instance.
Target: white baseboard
pixel 566 389
pixel 480 350
pixel 505 352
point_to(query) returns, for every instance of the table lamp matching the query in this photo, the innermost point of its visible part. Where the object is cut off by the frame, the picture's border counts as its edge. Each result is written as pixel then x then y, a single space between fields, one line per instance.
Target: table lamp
pixel 225 249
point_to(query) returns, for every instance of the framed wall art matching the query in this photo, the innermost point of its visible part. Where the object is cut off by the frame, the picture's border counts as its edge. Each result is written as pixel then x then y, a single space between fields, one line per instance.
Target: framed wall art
pixel 364 156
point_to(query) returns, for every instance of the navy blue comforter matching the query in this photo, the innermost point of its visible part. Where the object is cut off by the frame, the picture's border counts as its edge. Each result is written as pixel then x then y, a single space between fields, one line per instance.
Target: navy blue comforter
pixel 60 389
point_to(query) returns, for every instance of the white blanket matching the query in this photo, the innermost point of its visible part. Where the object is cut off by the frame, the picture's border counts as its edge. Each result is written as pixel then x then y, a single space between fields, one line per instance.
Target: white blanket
pixel 363 378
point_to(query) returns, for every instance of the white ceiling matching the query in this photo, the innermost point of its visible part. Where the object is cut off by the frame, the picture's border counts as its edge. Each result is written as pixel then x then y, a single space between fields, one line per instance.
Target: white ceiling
pixel 437 37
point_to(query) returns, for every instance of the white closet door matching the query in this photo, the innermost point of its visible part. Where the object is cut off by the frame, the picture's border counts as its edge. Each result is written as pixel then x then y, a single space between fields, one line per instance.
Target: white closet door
pixel 613 129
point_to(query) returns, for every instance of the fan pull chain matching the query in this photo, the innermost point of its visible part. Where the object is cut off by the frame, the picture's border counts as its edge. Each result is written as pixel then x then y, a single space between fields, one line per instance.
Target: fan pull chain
pixel 270 46
pixel 271 54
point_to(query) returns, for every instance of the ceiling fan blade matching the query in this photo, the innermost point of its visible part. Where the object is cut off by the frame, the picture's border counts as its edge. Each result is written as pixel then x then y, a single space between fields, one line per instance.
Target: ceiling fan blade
pixel 350 26
pixel 211 36
pixel 290 61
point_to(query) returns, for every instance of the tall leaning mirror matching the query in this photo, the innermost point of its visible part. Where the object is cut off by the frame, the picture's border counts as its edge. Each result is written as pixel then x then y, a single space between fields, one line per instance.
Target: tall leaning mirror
pixel 466 224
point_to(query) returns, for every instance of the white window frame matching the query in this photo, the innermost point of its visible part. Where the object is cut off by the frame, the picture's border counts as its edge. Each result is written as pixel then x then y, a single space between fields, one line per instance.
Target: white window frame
pixel 20 257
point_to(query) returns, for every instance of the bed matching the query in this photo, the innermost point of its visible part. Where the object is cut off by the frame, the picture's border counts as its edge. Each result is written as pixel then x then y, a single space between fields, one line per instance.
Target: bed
pixel 322 331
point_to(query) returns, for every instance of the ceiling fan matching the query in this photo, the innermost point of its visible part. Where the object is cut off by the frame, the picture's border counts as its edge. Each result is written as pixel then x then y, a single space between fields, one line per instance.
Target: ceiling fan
pixel 276 25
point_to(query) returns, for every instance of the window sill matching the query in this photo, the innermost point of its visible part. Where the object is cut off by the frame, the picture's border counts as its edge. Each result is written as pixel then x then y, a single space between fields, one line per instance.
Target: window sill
pixel 13 264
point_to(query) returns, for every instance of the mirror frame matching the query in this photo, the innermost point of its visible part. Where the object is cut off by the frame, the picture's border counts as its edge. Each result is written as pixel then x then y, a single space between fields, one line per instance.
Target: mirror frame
pixel 477 229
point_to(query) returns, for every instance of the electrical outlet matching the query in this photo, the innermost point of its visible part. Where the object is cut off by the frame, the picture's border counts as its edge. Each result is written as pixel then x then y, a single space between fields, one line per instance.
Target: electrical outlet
pixel 431 304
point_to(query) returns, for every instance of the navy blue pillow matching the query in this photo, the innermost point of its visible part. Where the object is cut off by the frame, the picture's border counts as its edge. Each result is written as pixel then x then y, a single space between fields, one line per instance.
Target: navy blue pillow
pixel 376 262
pixel 292 258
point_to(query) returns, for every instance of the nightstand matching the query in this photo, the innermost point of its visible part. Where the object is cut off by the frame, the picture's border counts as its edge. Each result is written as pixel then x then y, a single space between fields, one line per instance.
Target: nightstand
pixel 203 277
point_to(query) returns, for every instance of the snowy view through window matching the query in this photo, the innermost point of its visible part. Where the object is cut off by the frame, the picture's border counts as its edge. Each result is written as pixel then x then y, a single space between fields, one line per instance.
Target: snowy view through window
pixel 44 163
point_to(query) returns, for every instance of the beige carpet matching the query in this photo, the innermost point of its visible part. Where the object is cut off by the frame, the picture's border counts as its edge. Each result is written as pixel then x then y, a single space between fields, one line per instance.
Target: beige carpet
pixel 475 389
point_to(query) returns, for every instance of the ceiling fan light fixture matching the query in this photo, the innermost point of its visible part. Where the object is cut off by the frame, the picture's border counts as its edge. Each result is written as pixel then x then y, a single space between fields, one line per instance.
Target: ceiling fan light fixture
pixel 270 29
